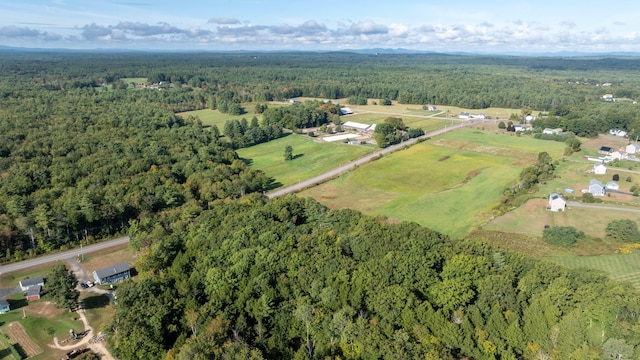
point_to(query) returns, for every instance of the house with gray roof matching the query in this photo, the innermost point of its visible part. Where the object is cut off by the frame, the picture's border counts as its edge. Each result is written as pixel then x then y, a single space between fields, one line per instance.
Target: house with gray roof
pixel 596 188
pixel 34 281
pixel 112 274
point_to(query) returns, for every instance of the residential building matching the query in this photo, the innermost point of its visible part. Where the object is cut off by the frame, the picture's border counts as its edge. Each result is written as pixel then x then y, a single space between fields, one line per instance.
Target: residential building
pixel 34 281
pixel 596 188
pixel 612 185
pixel 599 168
pixel 111 274
pixel 4 306
pixel 556 202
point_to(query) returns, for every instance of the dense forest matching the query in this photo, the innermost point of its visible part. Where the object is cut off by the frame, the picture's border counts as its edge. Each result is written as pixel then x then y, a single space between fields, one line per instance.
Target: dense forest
pixel 290 279
pixel 224 273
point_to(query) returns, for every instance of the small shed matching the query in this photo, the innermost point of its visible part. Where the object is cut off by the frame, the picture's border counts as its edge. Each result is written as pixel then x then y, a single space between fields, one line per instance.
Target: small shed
pixel 346 111
pixel 34 281
pixel 4 306
pixel 464 115
pixel 34 293
pixel 596 188
pixel 112 274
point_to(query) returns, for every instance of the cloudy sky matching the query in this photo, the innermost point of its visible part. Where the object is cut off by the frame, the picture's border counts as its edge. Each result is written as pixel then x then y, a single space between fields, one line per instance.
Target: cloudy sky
pixel 488 26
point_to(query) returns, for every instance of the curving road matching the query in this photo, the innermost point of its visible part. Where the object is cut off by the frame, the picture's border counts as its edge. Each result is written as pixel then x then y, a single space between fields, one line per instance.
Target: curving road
pixel 63 255
pixel 363 160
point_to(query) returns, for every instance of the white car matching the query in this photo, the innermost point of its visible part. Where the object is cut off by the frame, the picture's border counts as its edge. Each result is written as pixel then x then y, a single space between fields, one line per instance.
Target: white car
pixel 90 283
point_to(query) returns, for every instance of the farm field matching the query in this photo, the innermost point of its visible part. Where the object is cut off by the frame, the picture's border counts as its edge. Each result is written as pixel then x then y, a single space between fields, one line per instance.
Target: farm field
pixel 408 186
pixel 622 267
pixel 312 157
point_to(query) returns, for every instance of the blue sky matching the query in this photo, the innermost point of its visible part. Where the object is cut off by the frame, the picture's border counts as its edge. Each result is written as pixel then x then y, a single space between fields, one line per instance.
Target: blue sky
pixel 492 26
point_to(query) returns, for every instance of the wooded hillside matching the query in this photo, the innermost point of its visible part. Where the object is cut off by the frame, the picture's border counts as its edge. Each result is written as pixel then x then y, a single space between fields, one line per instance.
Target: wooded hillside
pixel 289 278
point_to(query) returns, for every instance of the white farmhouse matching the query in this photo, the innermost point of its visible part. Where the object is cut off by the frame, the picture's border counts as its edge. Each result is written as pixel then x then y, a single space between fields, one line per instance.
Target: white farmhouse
pixel 599 169
pixel 556 202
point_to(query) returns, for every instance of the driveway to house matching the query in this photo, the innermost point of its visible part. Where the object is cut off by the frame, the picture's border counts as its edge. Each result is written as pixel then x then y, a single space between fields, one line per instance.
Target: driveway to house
pixel 363 160
pixel 614 208
pixel 63 255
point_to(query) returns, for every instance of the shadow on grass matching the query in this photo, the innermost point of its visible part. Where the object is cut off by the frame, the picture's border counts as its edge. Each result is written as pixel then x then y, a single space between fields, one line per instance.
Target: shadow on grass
pixel 297 156
pixel 17 303
pixel 272 184
pixel 20 351
pixel 96 301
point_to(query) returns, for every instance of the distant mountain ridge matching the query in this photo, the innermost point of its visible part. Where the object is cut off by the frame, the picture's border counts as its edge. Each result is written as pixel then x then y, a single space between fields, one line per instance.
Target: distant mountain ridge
pixel 372 51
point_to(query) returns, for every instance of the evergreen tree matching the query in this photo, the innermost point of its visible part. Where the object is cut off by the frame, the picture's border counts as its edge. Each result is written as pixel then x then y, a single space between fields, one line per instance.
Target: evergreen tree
pixel 62 283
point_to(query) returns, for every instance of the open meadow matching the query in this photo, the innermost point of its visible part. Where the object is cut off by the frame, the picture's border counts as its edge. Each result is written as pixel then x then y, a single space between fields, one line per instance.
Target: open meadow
pixel 622 267
pixel 311 157
pixel 449 184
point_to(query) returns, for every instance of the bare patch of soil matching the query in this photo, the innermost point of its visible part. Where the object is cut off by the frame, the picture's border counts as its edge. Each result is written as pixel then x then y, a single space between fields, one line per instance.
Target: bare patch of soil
pixel 615 142
pixel 44 309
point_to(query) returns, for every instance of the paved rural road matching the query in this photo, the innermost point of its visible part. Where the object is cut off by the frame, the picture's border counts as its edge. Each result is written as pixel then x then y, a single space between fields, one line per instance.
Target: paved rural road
pixel 577 204
pixel 63 255
pixel 363 160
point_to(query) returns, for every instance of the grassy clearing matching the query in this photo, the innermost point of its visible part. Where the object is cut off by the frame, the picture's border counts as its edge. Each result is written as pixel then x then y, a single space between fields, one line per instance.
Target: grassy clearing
pixel 408 186
pixel 42 322
pixel 134 80
pixel 312 157
pixel 214 117
pixel 623 267
pixel 98 309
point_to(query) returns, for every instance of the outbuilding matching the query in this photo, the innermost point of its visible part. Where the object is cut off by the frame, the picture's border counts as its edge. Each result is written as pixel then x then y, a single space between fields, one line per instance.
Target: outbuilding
pixel 34 293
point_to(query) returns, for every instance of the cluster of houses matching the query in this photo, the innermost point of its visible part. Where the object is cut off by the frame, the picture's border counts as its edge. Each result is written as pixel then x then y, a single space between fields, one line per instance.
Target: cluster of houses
pixel 33 286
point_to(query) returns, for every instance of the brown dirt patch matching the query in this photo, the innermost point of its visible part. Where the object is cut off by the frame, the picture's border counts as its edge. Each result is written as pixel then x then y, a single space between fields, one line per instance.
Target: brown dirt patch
pixel 17 335
pixel 44 309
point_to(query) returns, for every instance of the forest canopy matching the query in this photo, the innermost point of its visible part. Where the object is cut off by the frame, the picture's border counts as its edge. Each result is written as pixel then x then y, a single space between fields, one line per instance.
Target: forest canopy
pixel 291 279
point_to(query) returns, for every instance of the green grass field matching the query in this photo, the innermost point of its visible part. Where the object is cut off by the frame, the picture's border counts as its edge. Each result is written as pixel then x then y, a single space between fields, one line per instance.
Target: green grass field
pixel 134 80
pixel 623 267
pixel 313 157
pixel 214 117
pixel 438 186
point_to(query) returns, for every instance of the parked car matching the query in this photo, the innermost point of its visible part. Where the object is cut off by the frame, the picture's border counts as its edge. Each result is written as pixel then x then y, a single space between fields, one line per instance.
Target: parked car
pixel 83 285
pixel 90 283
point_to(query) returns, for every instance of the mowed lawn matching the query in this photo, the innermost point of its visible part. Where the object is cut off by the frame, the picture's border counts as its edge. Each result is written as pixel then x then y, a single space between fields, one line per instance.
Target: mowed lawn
pixel 446 189
pixel 622 267
pixel 426 124
pixel 312 157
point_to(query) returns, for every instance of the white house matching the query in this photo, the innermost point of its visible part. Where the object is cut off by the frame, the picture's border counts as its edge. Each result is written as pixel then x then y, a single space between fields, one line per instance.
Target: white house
pixel 432 108
pixel 632 148
pixel 607 97
pixel 596 188
pixel 464 115
pixel 599 169
pixel 478 116
pixel 556 202
pixel 612 185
